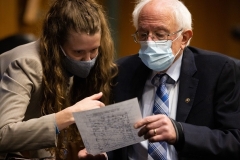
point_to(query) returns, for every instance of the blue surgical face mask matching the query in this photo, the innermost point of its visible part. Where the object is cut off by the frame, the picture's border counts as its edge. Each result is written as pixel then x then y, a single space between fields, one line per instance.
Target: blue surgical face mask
pixel 78 68
pixel 157 55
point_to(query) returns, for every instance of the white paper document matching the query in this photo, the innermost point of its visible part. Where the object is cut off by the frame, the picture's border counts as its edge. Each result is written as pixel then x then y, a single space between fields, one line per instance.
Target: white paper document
pixel 110 127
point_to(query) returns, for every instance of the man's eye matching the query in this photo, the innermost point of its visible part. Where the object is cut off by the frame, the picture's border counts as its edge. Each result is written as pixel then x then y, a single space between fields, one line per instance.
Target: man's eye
pixel 160 36
pixel 142 35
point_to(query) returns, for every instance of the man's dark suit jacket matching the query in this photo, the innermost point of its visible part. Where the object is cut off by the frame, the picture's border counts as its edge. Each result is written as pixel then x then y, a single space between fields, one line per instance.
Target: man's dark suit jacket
pixel 211 119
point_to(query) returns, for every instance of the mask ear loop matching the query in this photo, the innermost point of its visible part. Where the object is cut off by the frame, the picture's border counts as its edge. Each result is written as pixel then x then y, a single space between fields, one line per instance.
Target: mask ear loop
pixel 177 36
pixel 63 51
pixel 179 48
pixel 177 53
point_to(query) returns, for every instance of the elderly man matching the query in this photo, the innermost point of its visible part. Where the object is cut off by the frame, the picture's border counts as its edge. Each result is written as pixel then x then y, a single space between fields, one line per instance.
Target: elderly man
pixel 198 117
pixel 189 97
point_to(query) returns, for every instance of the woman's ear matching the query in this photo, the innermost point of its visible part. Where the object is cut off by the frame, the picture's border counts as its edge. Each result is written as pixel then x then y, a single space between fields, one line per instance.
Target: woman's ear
pixel 187 35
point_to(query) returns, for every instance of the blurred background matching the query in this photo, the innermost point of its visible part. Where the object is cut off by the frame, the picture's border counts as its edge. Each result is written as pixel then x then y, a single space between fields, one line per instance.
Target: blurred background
pixel 216 23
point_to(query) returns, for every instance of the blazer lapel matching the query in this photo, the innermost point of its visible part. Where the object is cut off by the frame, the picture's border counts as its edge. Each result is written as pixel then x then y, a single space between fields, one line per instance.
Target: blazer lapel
pixel 140 79
pixel 187 87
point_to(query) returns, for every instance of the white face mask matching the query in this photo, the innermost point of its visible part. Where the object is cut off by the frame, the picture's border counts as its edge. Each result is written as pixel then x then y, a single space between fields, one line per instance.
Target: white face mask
pixel 78 68
pixel 157 55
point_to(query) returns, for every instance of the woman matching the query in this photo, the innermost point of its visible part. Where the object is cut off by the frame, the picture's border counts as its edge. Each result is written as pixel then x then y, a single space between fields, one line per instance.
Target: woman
pixel 69 69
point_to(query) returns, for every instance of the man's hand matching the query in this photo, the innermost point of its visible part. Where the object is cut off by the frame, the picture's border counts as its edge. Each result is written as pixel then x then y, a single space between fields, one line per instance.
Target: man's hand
pixel 157 128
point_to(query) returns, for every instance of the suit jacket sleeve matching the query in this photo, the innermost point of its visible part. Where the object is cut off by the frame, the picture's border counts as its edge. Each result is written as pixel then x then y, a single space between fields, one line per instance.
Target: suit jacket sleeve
pixel 21 124
pixel 212 127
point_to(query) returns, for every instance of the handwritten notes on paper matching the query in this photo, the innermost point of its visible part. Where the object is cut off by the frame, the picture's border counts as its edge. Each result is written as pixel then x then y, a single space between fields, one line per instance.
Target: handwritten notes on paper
pixel 109 128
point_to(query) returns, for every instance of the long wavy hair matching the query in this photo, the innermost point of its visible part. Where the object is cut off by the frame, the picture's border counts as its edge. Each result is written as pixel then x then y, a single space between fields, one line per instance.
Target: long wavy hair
pixel 82 16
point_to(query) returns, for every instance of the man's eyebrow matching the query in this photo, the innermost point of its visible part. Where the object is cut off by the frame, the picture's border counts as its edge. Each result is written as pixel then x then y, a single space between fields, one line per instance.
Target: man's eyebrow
pixel 157 28
pixel 161 28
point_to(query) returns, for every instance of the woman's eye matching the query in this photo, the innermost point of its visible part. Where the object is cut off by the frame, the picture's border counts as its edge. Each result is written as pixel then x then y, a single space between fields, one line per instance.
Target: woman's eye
pixel 79 52
pixel 94 50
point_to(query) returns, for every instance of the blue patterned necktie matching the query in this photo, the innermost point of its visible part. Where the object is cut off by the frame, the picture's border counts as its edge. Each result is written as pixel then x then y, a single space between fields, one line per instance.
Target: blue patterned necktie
pixel 158 150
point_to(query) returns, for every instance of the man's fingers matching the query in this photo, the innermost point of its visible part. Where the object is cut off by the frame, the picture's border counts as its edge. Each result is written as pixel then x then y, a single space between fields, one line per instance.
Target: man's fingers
pixel 145 121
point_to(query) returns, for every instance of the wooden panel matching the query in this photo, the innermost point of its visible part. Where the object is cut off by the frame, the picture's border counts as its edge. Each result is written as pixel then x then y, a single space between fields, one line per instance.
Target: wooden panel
pixel 126 44
pixel 233 22
pixel 33 23
pixel 212 22
pixel 9 18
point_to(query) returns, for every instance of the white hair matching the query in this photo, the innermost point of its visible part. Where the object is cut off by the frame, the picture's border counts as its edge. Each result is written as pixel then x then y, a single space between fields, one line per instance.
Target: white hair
pixel 180 12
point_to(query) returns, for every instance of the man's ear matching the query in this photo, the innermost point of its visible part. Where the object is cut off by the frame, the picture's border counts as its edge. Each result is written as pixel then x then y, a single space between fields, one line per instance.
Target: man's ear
pixel 187 35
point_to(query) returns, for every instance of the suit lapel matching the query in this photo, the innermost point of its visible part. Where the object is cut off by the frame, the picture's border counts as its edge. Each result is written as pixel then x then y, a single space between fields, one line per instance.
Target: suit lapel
pixel 140 79
pixel 187 87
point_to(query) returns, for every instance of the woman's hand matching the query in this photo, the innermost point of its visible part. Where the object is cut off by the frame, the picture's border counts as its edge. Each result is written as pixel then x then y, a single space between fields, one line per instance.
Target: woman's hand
pixel 88 103
pixel 65 117
pixel 83 155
